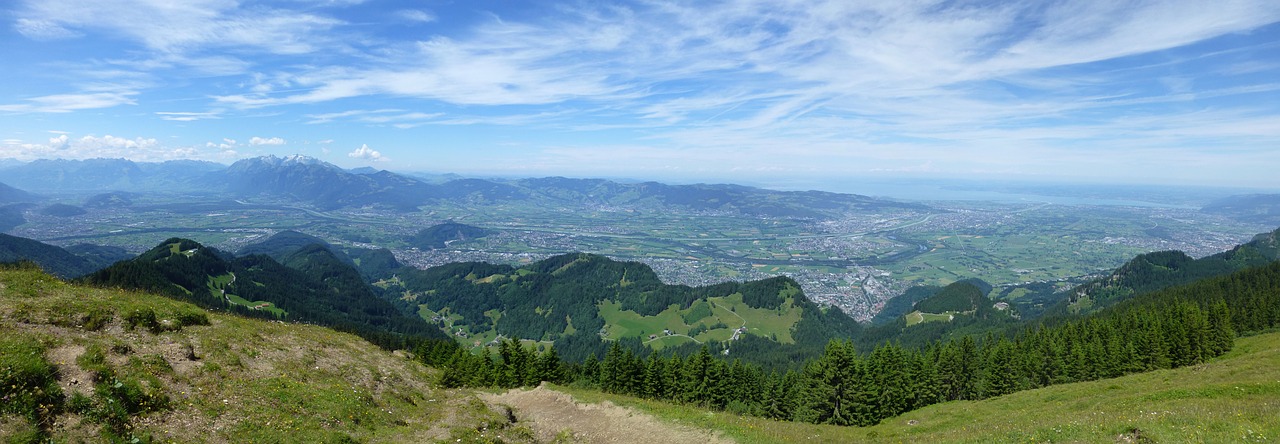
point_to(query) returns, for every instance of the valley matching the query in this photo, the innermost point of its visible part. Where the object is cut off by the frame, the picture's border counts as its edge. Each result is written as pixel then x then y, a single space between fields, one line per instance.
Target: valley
pixel 722 297
pixel 853 260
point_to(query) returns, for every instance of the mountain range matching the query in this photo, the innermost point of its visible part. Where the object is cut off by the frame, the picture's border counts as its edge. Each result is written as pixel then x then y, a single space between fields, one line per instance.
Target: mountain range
pixel 326 186
pixel 1260 208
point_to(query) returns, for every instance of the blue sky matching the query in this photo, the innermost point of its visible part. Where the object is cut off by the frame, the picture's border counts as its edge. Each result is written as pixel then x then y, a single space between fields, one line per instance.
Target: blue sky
pixel 739 91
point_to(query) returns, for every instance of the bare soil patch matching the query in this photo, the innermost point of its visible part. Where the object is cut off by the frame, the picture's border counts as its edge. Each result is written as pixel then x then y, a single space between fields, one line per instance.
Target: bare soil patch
pixel 553 415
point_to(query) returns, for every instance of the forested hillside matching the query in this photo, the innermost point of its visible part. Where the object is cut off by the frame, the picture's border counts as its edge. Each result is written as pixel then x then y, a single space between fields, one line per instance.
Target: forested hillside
pixel 436 236
pixel 1154 271
pixel 323 290
pixel 571 299
pixel 1173 328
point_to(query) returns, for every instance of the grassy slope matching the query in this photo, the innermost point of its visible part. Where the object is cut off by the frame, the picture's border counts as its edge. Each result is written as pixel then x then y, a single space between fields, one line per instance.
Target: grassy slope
pixel 1235 398
pixel 252 381
pixel 730 311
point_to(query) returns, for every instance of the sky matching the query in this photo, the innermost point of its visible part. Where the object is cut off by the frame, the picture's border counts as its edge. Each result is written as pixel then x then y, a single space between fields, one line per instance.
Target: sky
pixel 1097 91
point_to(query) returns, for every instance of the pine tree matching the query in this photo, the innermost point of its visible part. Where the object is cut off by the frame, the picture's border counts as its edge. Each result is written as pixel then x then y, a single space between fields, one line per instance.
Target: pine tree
pixel 549 367
pixel 655 373
pixel 610 369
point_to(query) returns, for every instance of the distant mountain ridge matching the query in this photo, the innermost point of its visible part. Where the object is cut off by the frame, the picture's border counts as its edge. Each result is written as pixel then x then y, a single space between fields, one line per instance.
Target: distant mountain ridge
pixel 316 183
pixel 1260 208
pixel 106 175
pixel 10 194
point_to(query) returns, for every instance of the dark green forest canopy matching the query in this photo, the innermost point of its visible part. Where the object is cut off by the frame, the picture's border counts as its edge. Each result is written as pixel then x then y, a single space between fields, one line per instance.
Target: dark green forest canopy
pixel 1176 327
pixel 572 286
pixel 322 289
pixel 1151 272
pixel 436 236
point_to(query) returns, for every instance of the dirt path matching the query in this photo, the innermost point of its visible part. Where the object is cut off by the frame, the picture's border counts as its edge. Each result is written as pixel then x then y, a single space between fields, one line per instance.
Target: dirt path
pixel 550 414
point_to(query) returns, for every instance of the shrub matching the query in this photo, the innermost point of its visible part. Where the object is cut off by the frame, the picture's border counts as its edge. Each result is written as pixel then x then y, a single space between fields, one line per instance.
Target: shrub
pixel 144 317
pixel 97 318
pixel 192 316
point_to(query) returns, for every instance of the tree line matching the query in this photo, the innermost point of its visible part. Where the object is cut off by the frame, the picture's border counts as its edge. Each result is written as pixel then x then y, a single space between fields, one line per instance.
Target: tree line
pixel 1174 328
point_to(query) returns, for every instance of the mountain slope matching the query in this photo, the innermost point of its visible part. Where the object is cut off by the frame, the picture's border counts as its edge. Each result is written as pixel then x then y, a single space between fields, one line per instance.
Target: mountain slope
pixel 99 256
pixel 106 174
pixel 1260 208
pixel 282 244
pixel 259 286
pixel 318 183
pixel 706 197
pixel 10 194
pixel 575 300
pixel 1154 271
pixel 53 259
pixel 436 236
pixel 208 377
pixel 1228 399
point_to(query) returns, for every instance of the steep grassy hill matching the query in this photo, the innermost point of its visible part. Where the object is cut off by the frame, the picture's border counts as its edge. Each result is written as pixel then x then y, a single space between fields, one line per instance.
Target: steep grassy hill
pixel 80 364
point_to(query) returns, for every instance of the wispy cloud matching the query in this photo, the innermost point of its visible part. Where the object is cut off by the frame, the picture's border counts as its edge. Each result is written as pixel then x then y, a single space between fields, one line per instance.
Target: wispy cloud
pixel 174 27
pixel 416 15
pixel 187 116
pixel 797 85
pixel 393 117
pixel 62 103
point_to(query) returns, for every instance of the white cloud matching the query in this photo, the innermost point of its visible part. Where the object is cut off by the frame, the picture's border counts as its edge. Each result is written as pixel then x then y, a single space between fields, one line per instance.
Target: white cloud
pixel 226 145
pixel 416 15
pixel 144 149
pixel 883 81
pixel 182 116
pixel 60 142
pixel 188 25
pixel 366 153
pixel 63 103
pixel 266 141
pixel 394 117
pixel 41 29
